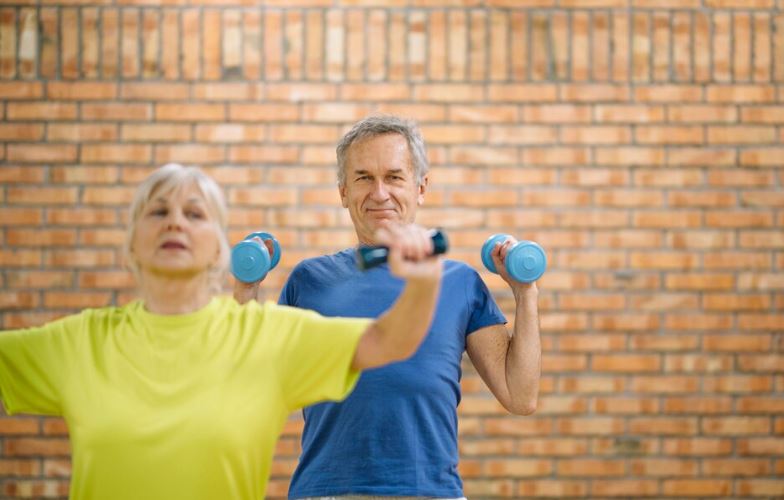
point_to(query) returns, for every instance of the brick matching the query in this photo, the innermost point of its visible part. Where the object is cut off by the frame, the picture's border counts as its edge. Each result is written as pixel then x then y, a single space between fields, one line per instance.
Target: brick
pixel 81 132
pixel 82 258
pixel 191 37
pixel 263 197
pixel 661 45
pixel 110 42
pixel 21 132
pixel 109 280
pixel 764 405
pixel 702 113
pixel 15 216
pixel 656 467
pixel 263 112
pixel 668 93
pixel 596 219
pixel 702 157
pixel 760 362
pixel 490 156
pixel 626 363
pixel 594 93
pixel 760 487
pixel 737 260
pixel 735 426
pixel 190 112
pixel 190 154
pixel 760 446
pixel 667 219
pixel 18 300
pixel 761 156
pixel 673 342
pixel 116 112
pixel 296 92
pixel 740 93
pixel 585 426
pixel 735 302
pixel 41 195
pixel 762 114
pixel 579 301
pixel 595 134
pixel 736 383
pixel 611 113
pixel 700 281
pixel 115 153
pixel 551 488
pixel 664 260
pixel 41 110
pixel 41 153
pixel 619 322
pixel 698 405
pixel 696 487
pixel 211 44
pixel 115 195
pixel 706 199
pixel 262 154
pixel 670 177
pixel 745 219
pixel 229 133
pixel 170 44
pixel 759 321
pixel 748 343
pixel 625 406
pixel 629 156
pixel 669 135
pixel 703 239
pixel 149 91
pixel 760 281
pixel 41 237
pixel 19 468
pixel 696 322
pixel 665 384
pixel 31 447
pixel 536 93
pixel 218 91
pixel 335 43
pixel 744 178
pixel 697 446
pixel 154 132
pixel 746 134
pixel 590 468
pixel 630 238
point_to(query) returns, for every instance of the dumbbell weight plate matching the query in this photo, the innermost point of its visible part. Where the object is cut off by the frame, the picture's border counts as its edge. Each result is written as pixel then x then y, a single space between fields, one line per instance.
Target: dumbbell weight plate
pixel 526 261
pixel 249 261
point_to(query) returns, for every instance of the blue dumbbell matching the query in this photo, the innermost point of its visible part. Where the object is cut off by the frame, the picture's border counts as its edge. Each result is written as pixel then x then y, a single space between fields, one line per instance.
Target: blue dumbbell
pixel 250 260
pixel 525 261
pixel 372 256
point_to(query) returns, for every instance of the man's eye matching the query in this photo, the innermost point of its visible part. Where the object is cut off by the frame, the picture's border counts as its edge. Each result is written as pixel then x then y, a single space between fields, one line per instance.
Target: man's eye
pixel 195 215
pixel 159 212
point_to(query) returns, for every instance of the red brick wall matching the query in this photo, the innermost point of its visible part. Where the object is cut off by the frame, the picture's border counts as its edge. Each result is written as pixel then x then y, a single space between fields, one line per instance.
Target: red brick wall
pixel 639 141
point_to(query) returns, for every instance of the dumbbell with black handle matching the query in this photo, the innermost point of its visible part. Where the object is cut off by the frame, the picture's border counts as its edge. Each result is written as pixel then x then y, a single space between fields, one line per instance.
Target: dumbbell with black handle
pixel 250 259
pixel 372 256
pixel 525 261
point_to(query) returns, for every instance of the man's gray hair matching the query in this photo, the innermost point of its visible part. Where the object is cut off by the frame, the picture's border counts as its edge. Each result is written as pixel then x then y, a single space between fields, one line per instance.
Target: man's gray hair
pixel 376 125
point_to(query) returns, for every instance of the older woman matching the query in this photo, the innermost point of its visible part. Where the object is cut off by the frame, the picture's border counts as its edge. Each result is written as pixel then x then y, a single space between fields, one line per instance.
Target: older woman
pixel 182 394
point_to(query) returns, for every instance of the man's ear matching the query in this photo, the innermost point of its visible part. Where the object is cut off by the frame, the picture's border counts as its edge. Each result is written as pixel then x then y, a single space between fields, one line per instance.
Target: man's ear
pixel 343 198
pixel 422 189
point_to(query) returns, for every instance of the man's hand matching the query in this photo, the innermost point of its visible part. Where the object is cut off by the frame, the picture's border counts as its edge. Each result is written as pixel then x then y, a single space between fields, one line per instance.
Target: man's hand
pixel 410 251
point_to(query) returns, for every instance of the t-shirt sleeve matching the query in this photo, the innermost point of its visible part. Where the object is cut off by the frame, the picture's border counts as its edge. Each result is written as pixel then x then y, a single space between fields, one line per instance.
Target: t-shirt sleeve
pixel 484 310
pixel 34 366
pixel 315 355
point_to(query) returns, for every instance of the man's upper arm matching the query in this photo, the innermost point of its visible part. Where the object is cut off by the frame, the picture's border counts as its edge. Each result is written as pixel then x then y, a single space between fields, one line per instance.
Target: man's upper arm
pixel 487 348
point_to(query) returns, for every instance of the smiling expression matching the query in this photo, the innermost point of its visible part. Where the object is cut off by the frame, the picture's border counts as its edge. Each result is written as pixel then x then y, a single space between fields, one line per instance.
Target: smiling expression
pixel 380 184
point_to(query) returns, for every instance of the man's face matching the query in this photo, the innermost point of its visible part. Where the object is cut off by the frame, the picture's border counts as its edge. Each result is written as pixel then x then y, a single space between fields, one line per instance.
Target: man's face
pixel 380 184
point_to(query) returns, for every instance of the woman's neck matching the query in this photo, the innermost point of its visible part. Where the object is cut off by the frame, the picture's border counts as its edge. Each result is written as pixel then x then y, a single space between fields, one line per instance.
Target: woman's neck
pixel 175 295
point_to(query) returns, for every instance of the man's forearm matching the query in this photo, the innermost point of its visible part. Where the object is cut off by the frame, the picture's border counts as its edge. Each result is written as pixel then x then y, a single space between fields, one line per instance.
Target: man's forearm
pixel 524 357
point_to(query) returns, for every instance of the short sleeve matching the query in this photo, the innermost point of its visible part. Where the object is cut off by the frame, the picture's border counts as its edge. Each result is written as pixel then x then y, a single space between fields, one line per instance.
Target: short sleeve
pixel 34 365
pixel 315 354
pixel 484 310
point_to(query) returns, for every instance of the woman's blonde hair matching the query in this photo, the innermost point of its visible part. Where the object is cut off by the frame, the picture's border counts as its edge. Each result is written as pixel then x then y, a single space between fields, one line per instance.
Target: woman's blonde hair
pixel 172 177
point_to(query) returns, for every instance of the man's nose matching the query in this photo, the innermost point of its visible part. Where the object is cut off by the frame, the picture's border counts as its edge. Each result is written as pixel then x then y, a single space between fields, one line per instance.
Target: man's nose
pixel 380 191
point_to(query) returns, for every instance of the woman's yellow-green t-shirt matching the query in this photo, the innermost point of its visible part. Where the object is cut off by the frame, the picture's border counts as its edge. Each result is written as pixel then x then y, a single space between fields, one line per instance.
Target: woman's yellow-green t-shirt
pixel 177 407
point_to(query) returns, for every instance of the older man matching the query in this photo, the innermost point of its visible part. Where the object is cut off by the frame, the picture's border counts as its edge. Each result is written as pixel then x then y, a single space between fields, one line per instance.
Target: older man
pixel 396 434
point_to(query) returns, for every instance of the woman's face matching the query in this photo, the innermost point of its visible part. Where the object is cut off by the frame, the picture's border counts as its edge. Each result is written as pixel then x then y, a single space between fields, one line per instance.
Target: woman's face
pixel 176 236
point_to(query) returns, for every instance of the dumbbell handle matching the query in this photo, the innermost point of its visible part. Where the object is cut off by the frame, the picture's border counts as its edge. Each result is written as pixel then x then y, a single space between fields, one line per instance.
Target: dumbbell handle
pixel 372 256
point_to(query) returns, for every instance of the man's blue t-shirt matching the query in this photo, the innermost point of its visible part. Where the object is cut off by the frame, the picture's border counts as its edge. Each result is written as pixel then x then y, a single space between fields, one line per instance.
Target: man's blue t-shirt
pixel 396 434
